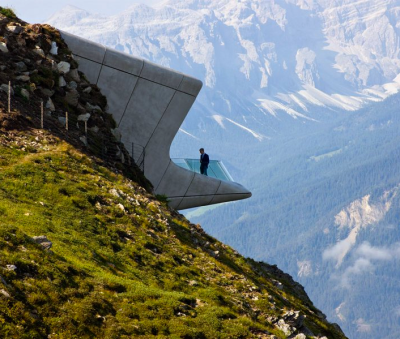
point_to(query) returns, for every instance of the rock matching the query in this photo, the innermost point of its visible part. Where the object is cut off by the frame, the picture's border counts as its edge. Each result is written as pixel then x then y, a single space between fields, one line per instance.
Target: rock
pixel 73 85
pixel 278 284
pixel 293 318
pixel 94 129
pixel 84 140
pixel 3 47
pixel 53 65
pixel 43 241
pixel 25 93
pixel 54 48
pixel 62 120
pixel 73 73
pixel 47 92
pixel 11 267
pixel 24 78
pixel 92 108
pixel 114 192
pixel 285 328
pixel 63 67
pixel 300 336
pixel 72 97
pixel 21 66
pixel 87 90
pixel 50 106
pixel 84 117
pixel 39 52
pixel 62 82
pixel 15 29
pixel 121 207
pixel 120 155
pixel 117 134
pixel 5 293
pixel 2 67
pixel 4 88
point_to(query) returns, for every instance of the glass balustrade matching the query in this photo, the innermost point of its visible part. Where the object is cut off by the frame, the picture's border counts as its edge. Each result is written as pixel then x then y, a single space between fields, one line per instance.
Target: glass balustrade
pixel 216 168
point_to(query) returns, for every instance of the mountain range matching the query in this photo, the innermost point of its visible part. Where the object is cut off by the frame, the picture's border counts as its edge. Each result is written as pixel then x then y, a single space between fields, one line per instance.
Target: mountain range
pixel 299 101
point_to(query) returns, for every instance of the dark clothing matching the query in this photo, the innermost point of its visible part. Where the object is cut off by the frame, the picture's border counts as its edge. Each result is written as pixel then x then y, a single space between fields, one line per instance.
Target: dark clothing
pixel 204 161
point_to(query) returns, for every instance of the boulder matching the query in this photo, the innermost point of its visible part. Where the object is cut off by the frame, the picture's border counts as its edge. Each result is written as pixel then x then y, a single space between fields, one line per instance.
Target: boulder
pixel 84 117
pixel 4 88
pixel 47 92
pixel 50 106
pixel 43 241
pixel 23 78
pixel 94 129
pixel 73 73
pixel 3 47
pixel 62 82
pixel 11 268
pixel 54 48
pixel 21 66
pixel 63 67
pixel 25 93
pixel 72 97
pixel 117 134
pixel 4 293
pixel 84 140
pixel 92 108
pixel 39 52
pixel 15 29
pixel 87 90
pixel 73 84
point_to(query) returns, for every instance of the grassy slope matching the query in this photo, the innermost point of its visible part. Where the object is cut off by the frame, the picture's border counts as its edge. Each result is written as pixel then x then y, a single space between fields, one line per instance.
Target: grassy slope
pixel 136 269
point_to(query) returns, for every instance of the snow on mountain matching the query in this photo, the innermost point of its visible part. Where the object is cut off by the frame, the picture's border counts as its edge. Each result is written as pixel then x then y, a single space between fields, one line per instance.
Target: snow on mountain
pixel 262 57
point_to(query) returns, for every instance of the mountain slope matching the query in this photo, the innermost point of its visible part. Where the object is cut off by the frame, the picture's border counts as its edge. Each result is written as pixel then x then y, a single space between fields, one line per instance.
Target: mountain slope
pixel 284 80
pixel 86 252
pixel 326 208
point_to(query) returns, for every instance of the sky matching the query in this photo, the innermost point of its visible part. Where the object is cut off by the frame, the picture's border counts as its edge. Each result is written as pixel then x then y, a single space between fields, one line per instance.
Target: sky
pixel 36 11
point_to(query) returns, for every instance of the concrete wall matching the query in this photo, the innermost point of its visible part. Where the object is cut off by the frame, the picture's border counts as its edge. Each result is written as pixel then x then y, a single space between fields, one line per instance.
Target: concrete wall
pixel 149 104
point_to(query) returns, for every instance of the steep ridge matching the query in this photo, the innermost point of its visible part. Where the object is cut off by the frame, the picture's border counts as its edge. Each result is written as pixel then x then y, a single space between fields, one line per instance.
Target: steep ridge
pixel 86 252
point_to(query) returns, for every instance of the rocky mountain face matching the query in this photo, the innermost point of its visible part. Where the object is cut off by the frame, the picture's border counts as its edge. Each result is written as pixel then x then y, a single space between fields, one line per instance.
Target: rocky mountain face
pixel 86 251
pixel 290 58
pixel 293 104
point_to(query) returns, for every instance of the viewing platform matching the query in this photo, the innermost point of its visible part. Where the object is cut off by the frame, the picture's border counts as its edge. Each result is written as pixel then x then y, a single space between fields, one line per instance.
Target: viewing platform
pixel 149 103
pixel 216 168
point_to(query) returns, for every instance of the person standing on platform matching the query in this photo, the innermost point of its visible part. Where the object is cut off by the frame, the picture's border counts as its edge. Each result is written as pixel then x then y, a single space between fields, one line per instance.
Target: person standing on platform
pixel 204 161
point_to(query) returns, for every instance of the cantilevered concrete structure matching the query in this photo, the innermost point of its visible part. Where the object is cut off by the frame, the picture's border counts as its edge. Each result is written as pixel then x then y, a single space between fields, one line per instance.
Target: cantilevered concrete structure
pixel 149 104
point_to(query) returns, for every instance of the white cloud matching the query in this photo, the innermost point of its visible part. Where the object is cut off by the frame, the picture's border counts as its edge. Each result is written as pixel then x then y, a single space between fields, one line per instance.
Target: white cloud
pixel 376 253
pixel 363 326
pixel 336 251
pixel 365 258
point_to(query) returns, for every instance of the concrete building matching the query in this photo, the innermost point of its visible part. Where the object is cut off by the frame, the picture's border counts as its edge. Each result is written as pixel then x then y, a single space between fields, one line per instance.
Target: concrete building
pixel 149 104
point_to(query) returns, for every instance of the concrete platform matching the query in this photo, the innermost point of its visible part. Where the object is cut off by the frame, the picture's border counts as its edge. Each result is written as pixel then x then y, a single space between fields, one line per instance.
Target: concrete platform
pixel 149 103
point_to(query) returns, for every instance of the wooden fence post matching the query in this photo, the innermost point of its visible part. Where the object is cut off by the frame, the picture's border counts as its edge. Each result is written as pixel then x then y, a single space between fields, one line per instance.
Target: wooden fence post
pixel 41 114
pixel 66 121
pixel 9 97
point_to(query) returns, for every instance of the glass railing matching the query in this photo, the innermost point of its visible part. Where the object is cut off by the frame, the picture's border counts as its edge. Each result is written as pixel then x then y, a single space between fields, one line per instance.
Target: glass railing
pixel 216 168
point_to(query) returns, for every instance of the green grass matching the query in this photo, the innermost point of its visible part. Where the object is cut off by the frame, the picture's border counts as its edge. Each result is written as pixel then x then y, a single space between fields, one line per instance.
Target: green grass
pixel 8 12
pixel 121 265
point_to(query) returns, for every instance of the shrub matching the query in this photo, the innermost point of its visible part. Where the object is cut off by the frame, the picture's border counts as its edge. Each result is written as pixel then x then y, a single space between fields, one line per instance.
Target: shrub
pixel 8 12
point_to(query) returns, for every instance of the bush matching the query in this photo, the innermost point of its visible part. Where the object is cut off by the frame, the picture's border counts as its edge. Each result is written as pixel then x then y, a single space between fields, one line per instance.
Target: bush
pixel 8 12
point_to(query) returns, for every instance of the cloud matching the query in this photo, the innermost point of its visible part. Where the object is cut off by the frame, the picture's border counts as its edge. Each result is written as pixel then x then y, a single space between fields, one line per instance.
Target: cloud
pixel 364 259
pixel 363 326
pixel 376 253
pixel 337 250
